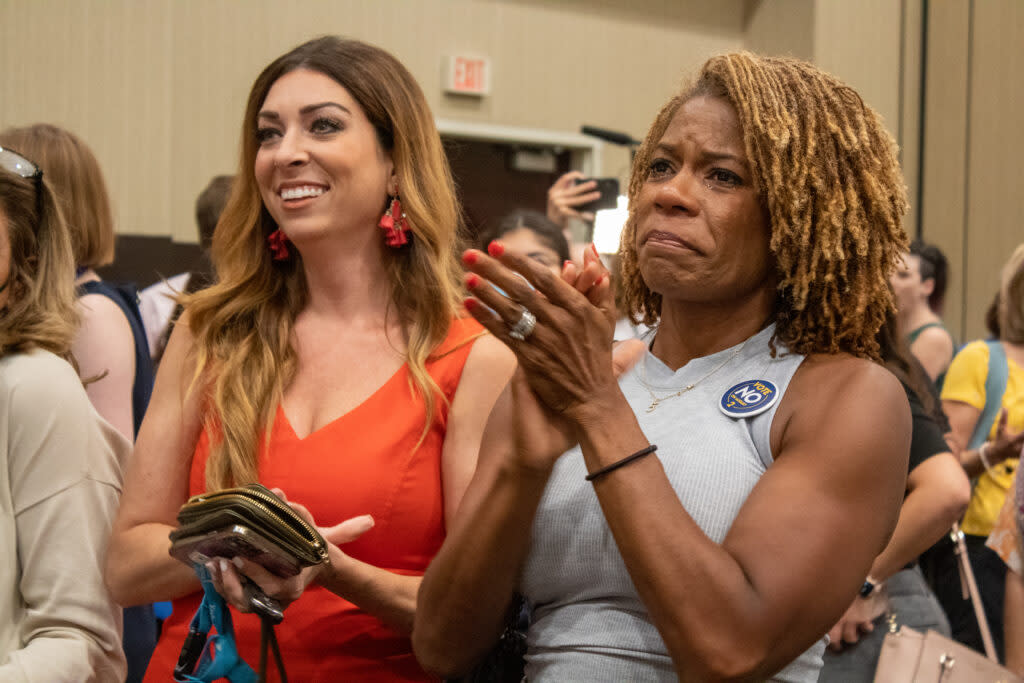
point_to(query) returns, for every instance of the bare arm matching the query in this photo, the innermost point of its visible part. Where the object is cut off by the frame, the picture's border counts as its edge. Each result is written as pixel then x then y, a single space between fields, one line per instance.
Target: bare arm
pixel 104 348
pixel 738 610
pixel 934 348
pixel 937 495
pixel 468 587
pixel 139 568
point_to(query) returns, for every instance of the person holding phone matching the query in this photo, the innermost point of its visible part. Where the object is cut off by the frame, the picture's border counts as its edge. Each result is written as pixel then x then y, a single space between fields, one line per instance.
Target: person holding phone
pixel 709 514
pixel 332 361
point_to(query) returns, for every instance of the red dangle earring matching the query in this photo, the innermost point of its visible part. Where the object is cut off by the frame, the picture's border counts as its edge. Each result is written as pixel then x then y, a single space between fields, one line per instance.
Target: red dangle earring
pixel 278 243
pixel 394 224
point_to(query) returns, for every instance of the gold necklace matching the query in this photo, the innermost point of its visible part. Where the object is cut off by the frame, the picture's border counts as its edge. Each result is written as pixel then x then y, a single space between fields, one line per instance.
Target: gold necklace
pixel 657 400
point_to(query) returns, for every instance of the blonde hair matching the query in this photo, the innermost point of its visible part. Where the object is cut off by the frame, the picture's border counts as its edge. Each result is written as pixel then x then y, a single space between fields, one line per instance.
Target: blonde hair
pixel 243 323
pixel 76 179
pixel 827 173
pixel 1011 298
pixel 40 310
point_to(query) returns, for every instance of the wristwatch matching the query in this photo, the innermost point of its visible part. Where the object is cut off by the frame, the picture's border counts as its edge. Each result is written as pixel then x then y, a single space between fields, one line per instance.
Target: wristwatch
pixel 868 587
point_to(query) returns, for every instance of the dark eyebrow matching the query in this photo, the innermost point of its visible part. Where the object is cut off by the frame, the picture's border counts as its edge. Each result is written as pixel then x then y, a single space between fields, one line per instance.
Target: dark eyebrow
pixel 706 154
pixel 313 107
pixel 273 115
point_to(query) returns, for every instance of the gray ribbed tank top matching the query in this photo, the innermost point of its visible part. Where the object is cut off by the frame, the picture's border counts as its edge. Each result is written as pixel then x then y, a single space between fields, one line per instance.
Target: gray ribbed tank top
pixel 588 621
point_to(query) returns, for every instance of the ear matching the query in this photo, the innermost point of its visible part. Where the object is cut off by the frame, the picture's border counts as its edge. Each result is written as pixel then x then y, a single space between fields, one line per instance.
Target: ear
pixel 927 287
pixel 392 184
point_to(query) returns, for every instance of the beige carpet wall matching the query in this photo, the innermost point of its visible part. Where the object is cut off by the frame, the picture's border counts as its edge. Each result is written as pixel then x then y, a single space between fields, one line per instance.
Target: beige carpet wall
pixel 157 87
pixel 973 181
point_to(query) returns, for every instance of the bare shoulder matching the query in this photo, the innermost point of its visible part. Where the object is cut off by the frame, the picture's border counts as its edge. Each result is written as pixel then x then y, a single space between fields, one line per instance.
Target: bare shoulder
pixel 934 340
pixel 102 317
pixel 833 394
pixel 490 362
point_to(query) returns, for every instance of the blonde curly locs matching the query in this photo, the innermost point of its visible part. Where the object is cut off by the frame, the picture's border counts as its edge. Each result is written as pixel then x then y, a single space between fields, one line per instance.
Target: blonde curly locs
pixel 40 311
pixel 827 173
pixel 242 324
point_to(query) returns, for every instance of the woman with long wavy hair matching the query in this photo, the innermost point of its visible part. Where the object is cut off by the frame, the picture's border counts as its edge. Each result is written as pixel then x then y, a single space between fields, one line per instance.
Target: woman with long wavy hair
pixel 331 361
pixel 60 465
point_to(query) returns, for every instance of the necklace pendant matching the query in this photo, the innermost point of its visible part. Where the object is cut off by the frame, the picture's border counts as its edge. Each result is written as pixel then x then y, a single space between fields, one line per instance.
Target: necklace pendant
pixel 654 404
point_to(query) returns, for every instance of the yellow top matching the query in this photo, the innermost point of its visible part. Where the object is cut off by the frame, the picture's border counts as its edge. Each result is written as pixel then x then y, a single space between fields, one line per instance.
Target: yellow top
pixel 965 382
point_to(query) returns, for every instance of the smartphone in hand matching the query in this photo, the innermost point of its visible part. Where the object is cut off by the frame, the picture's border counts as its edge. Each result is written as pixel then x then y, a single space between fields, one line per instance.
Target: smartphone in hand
pixel 609 199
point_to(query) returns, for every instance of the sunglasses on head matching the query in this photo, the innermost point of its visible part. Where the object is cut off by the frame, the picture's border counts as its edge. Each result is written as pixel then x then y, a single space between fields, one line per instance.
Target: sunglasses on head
pixel 14 163
pixel 19 165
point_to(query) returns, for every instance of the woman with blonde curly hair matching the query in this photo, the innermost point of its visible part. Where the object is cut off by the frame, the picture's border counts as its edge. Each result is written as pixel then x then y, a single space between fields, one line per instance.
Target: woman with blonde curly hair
pixel 330 360
pixel 60 464
pixel 726 496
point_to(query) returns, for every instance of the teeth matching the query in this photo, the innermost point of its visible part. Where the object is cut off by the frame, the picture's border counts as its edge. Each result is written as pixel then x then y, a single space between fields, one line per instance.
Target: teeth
pixel 301 192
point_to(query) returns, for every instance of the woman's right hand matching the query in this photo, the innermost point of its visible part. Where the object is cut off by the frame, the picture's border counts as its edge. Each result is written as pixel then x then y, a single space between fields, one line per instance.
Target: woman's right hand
pixel 541 434
pixel 227 574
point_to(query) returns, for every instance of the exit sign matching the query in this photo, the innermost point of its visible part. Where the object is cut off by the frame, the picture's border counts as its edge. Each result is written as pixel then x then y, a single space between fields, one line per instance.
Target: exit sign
pixel 467 75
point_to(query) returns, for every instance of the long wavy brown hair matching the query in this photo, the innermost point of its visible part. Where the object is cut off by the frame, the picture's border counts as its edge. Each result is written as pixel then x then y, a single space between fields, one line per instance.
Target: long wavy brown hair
pixel 827 172
pixel 40 311
pixel 243 324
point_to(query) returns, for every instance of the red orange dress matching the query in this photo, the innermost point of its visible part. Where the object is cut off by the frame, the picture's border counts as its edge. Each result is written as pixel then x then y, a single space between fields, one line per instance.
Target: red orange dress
pixel 363 462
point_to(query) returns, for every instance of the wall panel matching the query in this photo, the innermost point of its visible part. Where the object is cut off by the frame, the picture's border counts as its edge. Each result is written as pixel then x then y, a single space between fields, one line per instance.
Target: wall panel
pixel 158 87
pixel 944 176
pixel 995 191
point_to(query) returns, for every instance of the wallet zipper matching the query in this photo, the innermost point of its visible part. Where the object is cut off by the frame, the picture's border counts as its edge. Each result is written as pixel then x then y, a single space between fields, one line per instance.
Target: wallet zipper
pixel 272 506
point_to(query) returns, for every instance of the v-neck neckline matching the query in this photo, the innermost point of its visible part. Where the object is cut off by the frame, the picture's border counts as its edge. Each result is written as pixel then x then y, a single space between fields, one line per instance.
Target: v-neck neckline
pixel 283 414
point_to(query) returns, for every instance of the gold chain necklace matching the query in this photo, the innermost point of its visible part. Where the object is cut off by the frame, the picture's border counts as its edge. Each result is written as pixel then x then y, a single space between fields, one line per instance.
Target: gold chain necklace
pixel 657 400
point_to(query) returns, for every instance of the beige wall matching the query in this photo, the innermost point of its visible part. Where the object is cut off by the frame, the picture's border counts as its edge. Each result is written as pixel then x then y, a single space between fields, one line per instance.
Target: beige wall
pixel 973 180
pixel 781 27
pixel 157 88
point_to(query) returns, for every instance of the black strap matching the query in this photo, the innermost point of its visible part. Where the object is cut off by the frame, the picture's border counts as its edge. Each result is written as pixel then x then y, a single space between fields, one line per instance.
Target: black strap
pixel 268 637
pixel 619 463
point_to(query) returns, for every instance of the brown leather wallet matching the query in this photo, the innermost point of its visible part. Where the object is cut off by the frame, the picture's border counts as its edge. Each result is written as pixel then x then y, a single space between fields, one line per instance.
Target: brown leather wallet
pixel 247 521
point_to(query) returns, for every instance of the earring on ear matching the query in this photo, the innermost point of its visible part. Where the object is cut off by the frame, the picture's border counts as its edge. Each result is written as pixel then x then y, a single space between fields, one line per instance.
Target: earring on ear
pixel 278 243
pixel 393 222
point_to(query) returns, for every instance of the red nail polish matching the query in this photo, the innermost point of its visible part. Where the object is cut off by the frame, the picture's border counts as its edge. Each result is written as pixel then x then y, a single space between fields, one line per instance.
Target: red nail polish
pixel 495 249
pixel 470 303
pixel 566 264
pixel 469 257
pixel 473 281
pixel 593 248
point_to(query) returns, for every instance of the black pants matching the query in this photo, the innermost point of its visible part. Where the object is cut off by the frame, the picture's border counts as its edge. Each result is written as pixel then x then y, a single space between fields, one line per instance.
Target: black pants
pixel 990 575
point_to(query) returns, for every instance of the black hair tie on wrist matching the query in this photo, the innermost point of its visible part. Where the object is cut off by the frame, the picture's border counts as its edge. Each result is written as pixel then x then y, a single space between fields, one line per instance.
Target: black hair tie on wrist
pixel 620 463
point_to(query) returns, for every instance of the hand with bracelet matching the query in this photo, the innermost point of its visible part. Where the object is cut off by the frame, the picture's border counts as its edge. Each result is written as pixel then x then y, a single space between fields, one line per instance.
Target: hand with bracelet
pixel 1005 445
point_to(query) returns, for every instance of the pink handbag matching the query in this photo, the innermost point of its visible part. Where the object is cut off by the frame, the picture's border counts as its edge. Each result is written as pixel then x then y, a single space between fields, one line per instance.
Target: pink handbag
pixel 910 657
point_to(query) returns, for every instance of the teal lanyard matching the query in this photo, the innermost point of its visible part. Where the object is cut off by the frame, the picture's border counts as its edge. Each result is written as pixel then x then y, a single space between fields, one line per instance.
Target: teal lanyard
pixel 217 656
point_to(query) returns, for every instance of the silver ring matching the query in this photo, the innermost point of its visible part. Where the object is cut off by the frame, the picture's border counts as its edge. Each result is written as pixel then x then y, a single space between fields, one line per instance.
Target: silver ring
pixel 524 327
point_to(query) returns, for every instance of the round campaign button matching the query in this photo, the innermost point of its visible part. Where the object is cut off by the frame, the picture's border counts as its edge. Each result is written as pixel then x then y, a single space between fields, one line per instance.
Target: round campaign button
pixel 749 398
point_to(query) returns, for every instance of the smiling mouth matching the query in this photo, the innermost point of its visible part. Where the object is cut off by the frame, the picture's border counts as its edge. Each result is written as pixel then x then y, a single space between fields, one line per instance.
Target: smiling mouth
pixel 301 192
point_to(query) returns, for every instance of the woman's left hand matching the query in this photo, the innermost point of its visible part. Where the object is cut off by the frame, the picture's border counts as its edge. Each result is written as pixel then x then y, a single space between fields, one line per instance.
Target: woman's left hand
pixel 227 574
pixel 567 356
pixel 858 619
